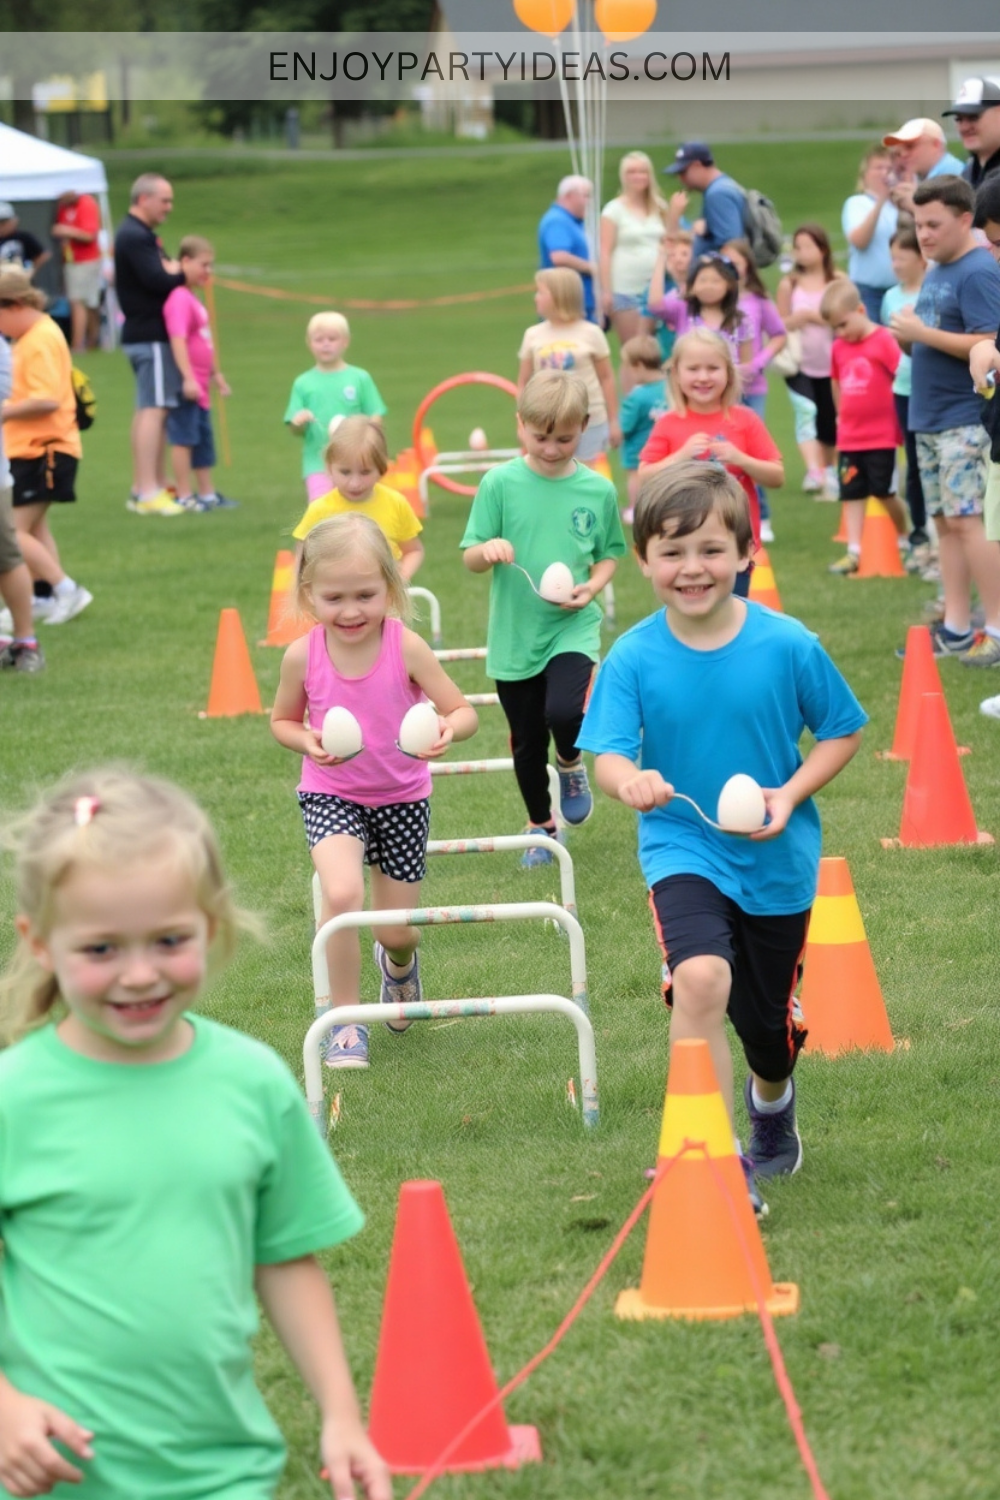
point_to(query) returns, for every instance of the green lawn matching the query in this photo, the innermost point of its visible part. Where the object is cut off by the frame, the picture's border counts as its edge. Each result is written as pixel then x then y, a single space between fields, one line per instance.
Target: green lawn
pixel 890 1229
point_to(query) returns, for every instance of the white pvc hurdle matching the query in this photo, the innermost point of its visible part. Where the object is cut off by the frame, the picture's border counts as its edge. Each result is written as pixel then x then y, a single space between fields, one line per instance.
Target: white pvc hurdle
pixel 503 763
pixel 434 607
pixel 576 1010
pixel 462 461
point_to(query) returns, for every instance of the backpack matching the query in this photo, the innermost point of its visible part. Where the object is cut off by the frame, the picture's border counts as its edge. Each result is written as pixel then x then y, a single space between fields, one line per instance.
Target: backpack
pixel 762 225
pixel 86 401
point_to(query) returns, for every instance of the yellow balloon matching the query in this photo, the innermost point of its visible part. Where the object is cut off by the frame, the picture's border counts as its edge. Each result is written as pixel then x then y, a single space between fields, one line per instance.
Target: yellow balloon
pixel 621 20
pixel 546 16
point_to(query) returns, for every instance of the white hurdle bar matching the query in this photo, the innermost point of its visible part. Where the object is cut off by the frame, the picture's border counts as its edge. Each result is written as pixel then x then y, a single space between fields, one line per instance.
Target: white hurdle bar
pixel 434 608
pixel 433 916
pixel 463 461
pixel 503 763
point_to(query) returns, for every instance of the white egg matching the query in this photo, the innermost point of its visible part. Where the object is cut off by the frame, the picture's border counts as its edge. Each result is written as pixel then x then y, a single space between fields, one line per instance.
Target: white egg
pixel 334 423
pixel 556 583
pixel 478 441
pixel 341 733
pixel 419 729
pixel 741 805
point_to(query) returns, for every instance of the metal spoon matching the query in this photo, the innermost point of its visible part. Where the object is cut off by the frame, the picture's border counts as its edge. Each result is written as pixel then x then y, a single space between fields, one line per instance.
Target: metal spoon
pixel 735 833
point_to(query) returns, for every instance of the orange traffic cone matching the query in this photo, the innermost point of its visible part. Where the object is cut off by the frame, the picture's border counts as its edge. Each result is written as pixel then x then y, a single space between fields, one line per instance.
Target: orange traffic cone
pixel 762 585
pixel 234 687
pixel 841 999
pixel 920 675
pixel 697 1264
pixel 936 805
pixel 840 535
pixel 282 625
pixel 601 466
pixel 403 474
pixel 879 548
pixel 432 1372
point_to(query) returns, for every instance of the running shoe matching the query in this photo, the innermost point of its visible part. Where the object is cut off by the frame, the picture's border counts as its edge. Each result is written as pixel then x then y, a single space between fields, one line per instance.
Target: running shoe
pixel 775 1147
pixel 346 1047
pixel 404 990
pixel 576 802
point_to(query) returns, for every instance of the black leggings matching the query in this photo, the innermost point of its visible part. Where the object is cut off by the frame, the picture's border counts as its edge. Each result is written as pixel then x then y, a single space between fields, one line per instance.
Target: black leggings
pixel 914 489
pixel 551 703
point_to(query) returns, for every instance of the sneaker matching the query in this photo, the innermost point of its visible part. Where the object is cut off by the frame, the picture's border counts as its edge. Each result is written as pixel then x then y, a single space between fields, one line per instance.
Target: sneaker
pixel 22 658
pixel 223 502
pixel 775 1145
pixel 814 481
pixel 42 606
pixel 985 653
pixel 6 625
pixel 831 484
pixel 945 642
pixel 346 1047
pixel 575 801
pixel 532 858
pixel 932 572
pixel 991 707
pixel 405 990
pixel 68 606
pixel 847 565
pixel 756 1201
pixel 766 530
pixel 160 504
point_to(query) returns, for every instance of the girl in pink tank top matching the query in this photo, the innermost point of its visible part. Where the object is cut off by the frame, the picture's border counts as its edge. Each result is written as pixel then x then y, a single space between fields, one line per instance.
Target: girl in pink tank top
pixel 373 808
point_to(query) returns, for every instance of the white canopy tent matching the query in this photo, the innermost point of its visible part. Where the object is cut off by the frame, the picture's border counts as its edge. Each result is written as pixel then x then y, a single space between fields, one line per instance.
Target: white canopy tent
pixel 35 171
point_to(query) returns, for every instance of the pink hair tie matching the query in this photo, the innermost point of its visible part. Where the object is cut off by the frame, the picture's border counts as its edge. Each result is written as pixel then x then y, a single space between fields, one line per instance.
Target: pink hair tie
pixel 84 809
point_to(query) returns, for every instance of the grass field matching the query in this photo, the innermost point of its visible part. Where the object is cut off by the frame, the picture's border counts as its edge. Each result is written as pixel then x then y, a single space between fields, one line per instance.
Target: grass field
pixel 891 1227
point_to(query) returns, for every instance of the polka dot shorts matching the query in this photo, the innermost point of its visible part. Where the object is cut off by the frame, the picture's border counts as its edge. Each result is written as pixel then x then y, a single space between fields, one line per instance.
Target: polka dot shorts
pixel 394 837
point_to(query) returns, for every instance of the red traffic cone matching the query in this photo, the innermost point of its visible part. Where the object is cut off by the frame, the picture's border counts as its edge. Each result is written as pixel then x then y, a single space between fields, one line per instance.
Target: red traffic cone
pixel 879 547
pixel 234 687
pixel 936 805
pixel 433 1372
pixel 841 998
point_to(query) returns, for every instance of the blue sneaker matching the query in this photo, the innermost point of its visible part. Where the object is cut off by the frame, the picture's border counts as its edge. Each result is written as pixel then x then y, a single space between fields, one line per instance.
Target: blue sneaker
pixel 346 1047
pixel 531 859
pixel 575 801
pixel 775 1144
pixel 405 990
pixel 757 1203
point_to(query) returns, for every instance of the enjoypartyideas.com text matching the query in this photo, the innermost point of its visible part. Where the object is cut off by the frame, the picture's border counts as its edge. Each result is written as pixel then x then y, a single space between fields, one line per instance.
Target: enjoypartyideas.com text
pixel 537 67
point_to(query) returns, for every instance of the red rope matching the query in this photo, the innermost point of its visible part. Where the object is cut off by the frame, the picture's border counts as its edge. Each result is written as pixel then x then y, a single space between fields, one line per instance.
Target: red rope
pixel 782 1381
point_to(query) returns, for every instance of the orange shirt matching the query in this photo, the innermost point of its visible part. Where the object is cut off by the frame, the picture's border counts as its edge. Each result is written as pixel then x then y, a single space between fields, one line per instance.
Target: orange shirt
pixel 42 371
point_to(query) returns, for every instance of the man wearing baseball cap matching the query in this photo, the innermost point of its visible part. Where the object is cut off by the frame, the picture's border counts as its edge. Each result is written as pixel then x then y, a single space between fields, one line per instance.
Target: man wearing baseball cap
pixel 978 119
pixel 920 150
pixel 723 201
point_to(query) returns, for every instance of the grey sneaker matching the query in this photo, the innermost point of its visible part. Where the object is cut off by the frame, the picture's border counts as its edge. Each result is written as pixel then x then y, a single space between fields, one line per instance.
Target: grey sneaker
pixel 405 990
pixel 575 800
pixel 775 1145
pixel 22 658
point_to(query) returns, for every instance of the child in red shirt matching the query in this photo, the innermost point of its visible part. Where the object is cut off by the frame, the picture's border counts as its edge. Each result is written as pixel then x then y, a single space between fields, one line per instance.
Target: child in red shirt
pixel 864 361
pixel 709 423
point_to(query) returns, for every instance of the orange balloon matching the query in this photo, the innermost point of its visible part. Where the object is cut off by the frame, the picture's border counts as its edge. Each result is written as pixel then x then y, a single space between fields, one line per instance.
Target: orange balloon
pixel 621 20
pixel 546 16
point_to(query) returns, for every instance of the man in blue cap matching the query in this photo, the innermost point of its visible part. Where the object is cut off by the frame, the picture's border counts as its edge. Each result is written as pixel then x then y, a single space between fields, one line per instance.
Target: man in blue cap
pixel 723 201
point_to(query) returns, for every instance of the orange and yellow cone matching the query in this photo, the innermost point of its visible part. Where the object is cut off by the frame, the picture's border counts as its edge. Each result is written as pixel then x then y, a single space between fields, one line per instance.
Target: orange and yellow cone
pixel 841 999
pixel 704 1254
pixel 879 545
pixel 283 627
pixel 763 588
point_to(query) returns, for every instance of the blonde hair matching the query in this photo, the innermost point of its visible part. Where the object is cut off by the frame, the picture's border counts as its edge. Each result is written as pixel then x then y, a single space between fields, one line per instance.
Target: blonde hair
pixel 111 817
pixel 350 536
pixel 566 290
pixel 642 350
pixel 333 322
pixel 839 298
pixel 552 397
pixel 655 202
pixel 875 153
pixel 360 438
pixel 711 340
pixel 194 244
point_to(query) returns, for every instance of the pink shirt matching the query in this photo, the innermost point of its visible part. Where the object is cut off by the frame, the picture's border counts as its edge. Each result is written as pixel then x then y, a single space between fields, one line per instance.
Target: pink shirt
pixel 866 414
pixel 381 774
pixel 816 337
pixel 187 319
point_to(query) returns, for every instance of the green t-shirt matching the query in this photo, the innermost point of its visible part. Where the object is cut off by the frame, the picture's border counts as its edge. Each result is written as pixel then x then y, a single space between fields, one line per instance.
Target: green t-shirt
pixel 135 1202
pixel 349 392
pixel 573 520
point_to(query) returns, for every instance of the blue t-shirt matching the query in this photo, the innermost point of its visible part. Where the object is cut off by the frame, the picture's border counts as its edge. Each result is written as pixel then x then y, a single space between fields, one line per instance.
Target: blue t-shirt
pixel 559 230
pixel 723 207
pixel 960 297
pixel 699 717
pixel 639 410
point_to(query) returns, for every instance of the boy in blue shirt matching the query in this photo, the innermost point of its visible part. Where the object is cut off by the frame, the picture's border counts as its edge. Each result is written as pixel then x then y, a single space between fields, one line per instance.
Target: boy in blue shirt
pixel 646 400
pixel 711 686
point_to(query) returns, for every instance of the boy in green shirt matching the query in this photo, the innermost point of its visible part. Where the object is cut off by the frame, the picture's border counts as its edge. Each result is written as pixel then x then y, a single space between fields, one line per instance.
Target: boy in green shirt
pixel 542 508
pixel 333 388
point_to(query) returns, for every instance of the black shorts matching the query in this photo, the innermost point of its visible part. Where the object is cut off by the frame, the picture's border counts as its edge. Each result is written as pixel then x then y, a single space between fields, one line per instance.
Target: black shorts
pixel 819 390
pixel 868 474
pixel 694 919
pixel 394 836
pixel 36 481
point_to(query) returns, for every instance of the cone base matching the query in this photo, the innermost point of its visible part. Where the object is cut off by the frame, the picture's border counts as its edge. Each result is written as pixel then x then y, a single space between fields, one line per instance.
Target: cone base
pixel 980 838
pixel 632 1305
pixel 525 1448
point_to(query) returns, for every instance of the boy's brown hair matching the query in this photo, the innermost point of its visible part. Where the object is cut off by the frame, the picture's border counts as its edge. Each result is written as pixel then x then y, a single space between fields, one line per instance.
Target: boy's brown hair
pixel 954 192
pixel 839 299
pixel 643 351
pixel 552 397
pixel 194 244
pixel 676 500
